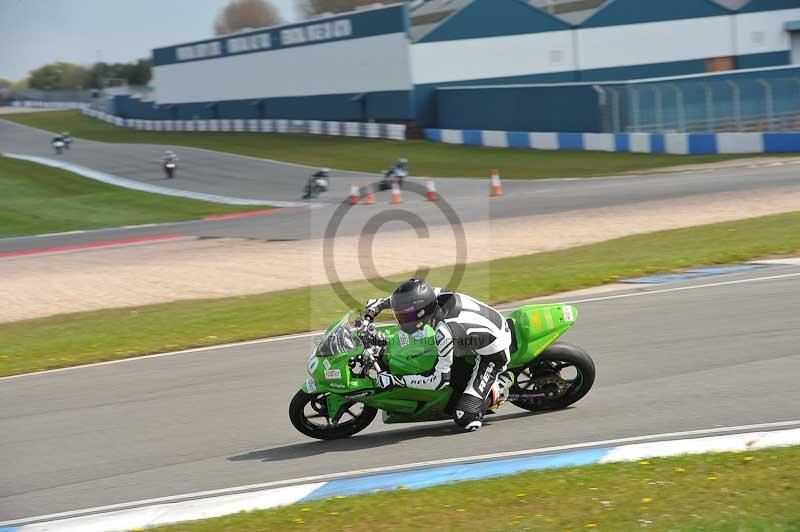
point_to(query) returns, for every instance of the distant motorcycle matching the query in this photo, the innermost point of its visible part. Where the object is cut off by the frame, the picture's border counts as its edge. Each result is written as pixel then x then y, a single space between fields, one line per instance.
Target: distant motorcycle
pixel 58 145
pixel 169 168
pixel 316 185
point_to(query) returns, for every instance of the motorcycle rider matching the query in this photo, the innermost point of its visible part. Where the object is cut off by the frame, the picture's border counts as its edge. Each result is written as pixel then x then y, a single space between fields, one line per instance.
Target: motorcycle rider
pixel 318 182
pixel 402 166
pixel 58 143
pixel 169 157
pixel 460 322
pixel 67 138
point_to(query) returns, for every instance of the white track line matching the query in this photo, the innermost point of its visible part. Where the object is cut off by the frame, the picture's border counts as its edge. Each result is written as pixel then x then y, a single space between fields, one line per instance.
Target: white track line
pixel 404 467
pixel 682 288
pixel 314 333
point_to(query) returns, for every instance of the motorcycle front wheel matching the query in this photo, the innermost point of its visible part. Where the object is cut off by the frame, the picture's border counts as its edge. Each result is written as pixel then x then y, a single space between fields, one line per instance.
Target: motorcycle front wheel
pixel 309 415
pixel 562 374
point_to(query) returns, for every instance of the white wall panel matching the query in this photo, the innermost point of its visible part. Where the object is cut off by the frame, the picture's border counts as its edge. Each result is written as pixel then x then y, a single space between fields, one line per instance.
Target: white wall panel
pixel 599 141
pixel 740 142
pixel 498 139
pixel 544 141
pixel 764 32
pixel 370 64
pixel 492 57
pixel 676 143
pixel 654 42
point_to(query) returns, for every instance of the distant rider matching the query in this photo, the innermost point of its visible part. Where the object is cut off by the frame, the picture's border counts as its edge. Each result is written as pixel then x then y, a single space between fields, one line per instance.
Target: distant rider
pixel 461 323
pixel 67 138
pixel 318 182
pixel 169 157
pixel 401 167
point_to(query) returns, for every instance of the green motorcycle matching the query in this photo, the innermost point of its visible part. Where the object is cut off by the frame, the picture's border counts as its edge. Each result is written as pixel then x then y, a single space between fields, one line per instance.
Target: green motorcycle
pixel 341 397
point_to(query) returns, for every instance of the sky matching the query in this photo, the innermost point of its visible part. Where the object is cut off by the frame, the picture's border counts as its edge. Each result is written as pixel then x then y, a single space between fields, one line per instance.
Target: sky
pixel 37 32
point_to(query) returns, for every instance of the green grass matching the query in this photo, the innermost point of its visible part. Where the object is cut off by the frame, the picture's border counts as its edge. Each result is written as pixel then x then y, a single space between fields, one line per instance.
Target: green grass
pixel 371 155
pixel 80 338
pixel 37 199
pixel 753 491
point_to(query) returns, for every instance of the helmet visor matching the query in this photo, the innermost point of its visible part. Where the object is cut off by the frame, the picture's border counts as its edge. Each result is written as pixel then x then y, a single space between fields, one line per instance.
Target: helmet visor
pixel 408 315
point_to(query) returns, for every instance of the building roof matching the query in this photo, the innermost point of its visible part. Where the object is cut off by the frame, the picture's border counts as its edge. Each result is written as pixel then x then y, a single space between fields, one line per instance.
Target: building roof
pixel 618 12
pixel 484 18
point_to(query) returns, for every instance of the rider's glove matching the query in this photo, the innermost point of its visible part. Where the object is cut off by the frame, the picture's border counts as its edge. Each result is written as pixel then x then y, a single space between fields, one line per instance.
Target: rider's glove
pixel 387 380
pixel 380 339
pixel 375 306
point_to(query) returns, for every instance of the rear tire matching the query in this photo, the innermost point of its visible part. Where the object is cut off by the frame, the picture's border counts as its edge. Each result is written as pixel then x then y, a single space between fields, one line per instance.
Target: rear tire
pixel 550 364
pixel 345 429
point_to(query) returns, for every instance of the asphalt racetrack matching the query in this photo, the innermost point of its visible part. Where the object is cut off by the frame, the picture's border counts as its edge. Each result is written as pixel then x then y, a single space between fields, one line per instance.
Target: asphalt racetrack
pixel 246 177
pixel 722 353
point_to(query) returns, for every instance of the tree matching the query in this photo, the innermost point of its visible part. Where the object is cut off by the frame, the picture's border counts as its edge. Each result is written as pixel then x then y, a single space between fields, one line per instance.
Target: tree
pixel 312 8
pixel 59 76
pixel 242 14
pixel 138 73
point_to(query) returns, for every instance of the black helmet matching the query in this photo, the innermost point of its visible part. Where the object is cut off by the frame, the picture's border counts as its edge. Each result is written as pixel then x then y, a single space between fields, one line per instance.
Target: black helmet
pixel 413 303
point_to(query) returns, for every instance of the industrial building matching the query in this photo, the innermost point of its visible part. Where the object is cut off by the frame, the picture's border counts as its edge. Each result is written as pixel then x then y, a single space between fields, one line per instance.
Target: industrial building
pixel 401 63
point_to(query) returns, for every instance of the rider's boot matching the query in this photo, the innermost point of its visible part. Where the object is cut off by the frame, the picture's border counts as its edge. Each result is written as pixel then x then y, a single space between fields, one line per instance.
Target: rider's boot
pixel 500 390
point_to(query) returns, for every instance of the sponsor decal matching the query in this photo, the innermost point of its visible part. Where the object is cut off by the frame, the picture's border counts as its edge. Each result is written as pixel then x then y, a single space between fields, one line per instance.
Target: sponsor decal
pixel 403 337
pixel 326 363
pixel 569 315
pixel 311 386
pixel 439 336
pixel 459 414
pixel 337 385
pixel 333 374
pixel 313 362
pixel 419 335
pixel 486 376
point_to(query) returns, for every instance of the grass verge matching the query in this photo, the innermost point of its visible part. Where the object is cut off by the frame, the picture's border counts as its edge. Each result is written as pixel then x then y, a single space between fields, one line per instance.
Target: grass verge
pixel 81 338
pixel 36 199
pixel 713 492
pixel 372 155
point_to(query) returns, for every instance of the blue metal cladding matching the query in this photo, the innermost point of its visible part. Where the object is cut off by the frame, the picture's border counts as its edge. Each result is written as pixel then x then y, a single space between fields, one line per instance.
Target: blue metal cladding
pixel 619 12
pixel 768 5
pixel 425 95
pixel 555 108
pixel 764 60
pixel 380 106
pixel 393 19
pixel 495 18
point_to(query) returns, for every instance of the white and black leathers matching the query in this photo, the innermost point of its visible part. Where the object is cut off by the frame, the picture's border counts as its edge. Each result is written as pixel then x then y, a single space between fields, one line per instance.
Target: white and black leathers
pixel 464 325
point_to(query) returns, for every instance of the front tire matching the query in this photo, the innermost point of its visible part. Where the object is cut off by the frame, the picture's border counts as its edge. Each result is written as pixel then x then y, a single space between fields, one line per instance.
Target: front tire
pixel 548 373
pixel 301 417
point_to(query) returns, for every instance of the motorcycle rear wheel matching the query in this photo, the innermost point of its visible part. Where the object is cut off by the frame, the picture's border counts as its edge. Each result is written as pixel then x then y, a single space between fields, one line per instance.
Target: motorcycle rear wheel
pixel 549 366
pixel 344 429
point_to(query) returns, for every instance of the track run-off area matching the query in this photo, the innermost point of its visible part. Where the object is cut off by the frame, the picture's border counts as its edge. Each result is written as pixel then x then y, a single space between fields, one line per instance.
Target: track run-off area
pixel 688 356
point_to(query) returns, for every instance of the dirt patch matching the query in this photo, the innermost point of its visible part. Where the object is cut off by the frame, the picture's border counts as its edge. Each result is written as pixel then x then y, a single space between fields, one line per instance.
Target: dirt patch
pixel 43 285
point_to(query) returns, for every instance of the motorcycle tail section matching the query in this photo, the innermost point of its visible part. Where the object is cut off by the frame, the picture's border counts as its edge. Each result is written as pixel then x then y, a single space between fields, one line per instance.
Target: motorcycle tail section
pixel 537 326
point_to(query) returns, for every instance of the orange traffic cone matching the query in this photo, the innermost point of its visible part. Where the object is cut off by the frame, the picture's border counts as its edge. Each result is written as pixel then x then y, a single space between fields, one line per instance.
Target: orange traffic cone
pixel 354 195
pixel 497 188
pixel 369 197
pixel 397 196
pixel 431 194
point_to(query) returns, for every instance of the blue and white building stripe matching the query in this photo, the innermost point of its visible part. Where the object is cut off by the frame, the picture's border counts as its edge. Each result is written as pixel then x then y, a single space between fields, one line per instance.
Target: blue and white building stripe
pixel 222 502
pixel 674 143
